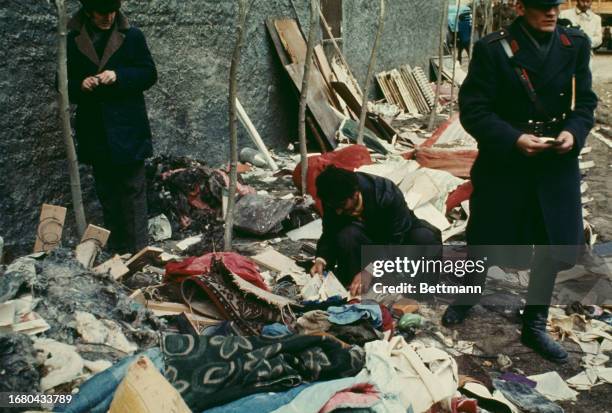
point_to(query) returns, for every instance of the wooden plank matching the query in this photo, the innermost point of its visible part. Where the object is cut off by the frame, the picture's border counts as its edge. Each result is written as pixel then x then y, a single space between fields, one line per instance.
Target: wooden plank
pixel 275 261
pixel 326 118
pixel 344 92
pixel 280 50
pixel 145 256
pixel 115 266
pixel 328 76
pixel 254 135
pixel 93 240
pixel 324 66
pixel 50 227
pixel 86 252
pixel 292 39
pixel 96 233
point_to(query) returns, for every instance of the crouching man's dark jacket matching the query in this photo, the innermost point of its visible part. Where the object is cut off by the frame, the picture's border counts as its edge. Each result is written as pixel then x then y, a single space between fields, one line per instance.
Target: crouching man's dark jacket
pixel 386 217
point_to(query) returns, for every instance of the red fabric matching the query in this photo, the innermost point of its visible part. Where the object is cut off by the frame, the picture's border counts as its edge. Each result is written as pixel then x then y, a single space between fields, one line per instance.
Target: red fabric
pixel 456 161
pixel 351 158
pixel 460 194
pixel 464 405
pixel 361 395
pixel 387 318
pixel 236 263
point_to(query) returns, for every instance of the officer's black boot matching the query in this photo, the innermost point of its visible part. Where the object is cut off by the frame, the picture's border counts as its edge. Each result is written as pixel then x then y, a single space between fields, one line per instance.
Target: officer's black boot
pixel 534 334
pixel 455 314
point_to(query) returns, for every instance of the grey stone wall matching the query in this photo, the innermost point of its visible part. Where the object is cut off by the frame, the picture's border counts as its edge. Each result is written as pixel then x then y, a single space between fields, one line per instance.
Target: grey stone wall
pixel 410 35
pixel 191 41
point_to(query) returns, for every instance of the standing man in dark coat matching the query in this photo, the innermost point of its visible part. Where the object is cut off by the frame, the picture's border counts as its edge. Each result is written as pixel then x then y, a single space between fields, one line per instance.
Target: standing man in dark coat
pixel 360 209
pixel 528 82
pixel 109 68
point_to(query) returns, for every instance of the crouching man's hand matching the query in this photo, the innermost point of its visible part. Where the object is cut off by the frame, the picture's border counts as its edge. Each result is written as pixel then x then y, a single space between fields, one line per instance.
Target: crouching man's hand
pixel 318 267
pixel 361 283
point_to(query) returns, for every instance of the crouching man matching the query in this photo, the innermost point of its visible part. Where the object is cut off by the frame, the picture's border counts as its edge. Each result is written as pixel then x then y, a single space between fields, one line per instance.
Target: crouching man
pixel 361 209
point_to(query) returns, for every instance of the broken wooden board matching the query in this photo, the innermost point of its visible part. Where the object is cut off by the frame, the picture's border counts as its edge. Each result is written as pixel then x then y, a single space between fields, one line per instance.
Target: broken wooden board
pixel 373 122
pixel 255 137
pixel 146 256
pixel 295 54
pixel 99 234
pixel 50 227
pixel 93 240
pixel 328 76
pixel 316 101
pixel 161 309
pixel 114 266
pixel 292 39
pixel 275 261
pixel 144 389
pixel 86 252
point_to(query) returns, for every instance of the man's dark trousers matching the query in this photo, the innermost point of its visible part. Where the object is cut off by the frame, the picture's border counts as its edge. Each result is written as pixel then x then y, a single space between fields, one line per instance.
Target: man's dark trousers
pixel 122 193
pixel 352 237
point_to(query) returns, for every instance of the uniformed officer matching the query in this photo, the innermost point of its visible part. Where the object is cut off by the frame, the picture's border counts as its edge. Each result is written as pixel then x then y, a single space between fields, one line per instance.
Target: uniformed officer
pixel 528 82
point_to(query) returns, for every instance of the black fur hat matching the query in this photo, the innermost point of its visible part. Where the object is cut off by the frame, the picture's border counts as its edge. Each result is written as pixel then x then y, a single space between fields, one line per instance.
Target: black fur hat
pixel 101 6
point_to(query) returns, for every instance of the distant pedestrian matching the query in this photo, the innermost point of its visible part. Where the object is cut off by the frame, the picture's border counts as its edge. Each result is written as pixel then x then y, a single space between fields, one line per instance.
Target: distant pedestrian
pixel 588 21
pixel 464 33
pixel 109 68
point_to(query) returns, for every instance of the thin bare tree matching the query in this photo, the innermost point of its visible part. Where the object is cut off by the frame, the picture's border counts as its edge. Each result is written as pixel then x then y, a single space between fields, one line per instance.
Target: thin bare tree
pixel 64 115
pixel 472 29
pixel 443 26
pixel 371 65
pixel 233 127
pixel 312 38
pixel 456 51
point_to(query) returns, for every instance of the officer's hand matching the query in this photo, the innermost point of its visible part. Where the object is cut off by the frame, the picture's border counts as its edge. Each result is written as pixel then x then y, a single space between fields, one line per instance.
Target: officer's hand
pixel 317 268
pixel 531 145
pixel 108 77
pixel 566 144
pixel 89 84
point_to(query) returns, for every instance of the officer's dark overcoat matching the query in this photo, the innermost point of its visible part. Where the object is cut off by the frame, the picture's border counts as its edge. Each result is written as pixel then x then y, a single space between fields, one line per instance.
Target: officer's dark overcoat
pixel 111 122
pixel 512 192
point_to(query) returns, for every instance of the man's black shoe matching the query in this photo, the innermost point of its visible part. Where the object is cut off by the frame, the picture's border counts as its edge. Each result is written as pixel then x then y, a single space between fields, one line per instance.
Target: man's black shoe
pixel 534 335
pixel 455 314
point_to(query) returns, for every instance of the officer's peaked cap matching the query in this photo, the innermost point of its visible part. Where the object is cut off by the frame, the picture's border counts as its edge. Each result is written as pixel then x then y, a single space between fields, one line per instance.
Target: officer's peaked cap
pixel 542 3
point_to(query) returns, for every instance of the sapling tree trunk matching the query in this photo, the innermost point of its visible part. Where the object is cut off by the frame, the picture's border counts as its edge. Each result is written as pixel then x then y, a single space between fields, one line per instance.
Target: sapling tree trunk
pixel 233 127
pixel 64 114
pixel 312 38
pixel 371 65
pixel 443 26
pixel 456 52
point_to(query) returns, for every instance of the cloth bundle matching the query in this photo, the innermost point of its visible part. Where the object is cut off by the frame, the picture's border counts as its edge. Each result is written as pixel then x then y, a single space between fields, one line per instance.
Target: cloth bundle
pixel 209 371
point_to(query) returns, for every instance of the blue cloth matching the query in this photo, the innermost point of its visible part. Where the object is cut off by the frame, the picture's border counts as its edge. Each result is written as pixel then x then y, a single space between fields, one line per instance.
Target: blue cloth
pixel 260 403
pixel 276 330
pixel 350 313
pixel 96 394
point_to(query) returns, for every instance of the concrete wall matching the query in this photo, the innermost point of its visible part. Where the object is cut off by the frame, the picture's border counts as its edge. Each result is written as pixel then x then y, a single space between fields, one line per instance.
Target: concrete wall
pixel 191 41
